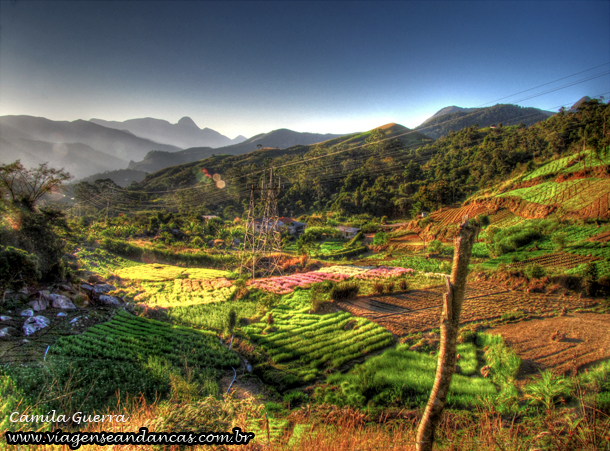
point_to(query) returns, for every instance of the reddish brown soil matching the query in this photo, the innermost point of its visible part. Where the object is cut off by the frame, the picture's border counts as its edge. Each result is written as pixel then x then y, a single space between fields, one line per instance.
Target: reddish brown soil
pixel 419 310
pixel 602 237
pixel 587 341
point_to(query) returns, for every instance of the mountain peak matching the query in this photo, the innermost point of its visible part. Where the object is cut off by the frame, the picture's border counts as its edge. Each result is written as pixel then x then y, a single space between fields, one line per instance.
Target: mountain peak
pixel 187 122
pixel 579 103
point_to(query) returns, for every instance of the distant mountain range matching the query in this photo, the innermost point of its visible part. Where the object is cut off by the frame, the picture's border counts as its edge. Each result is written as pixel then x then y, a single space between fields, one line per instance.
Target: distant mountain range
pixel 81 147
pixel 454 118
pixel 281 138
pixel 183 134
pixel 127 150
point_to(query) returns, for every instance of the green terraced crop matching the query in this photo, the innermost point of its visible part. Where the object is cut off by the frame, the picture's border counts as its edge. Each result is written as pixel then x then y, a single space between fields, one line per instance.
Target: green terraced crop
pixel 305 344
pixel 135 339
pixel 211 316
pixel 102 262
pixel 157 272
pixel 403 377
pixel 570 164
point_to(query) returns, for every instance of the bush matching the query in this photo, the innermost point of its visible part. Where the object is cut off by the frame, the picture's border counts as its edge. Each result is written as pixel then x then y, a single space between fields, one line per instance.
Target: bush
pixel 534 271
pixel 17 268
pixel 122 248
pixel 197 241
pixel 378 288
pixel 435 246
pixel 380 239
pixel 403 285
pixel 344 291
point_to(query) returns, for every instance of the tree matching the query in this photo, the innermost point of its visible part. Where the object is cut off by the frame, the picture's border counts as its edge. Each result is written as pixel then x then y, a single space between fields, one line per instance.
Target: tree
pixel 27 186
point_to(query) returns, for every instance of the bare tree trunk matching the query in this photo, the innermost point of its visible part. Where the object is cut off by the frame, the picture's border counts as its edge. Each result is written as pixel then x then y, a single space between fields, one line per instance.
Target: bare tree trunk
pixel 452 308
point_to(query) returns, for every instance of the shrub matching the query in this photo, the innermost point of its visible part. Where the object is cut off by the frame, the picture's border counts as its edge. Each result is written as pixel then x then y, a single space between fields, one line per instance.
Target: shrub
pixel 559 240
pixel 534 271
pixel 378 288
pixel 197 241
pixel 17 268
pixel 121 248
pixel 344 291
pixel 435 246
pixel 403 285
pixel 380 239
pixel 390 287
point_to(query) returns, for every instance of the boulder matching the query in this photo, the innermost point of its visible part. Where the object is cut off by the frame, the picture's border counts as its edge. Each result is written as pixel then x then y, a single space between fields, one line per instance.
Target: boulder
pixel 75 320
pixel 86 288
pixel 27 312
pixel 102 288
pixel 61 301
pixel 5 318
pixel 109 300
pixel 8 332
pixel 35 323
pixel 62 314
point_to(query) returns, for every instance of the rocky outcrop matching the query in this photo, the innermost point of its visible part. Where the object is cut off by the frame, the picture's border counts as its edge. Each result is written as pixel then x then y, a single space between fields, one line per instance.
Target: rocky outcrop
pixel 61 301
pixel 35 323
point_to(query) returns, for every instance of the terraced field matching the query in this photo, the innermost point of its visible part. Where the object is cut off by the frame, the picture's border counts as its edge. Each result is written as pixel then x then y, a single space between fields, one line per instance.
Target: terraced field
pixel 569 164
pixel 456 215
pixel 185 292
pixel 419 310
pixel 560 259
pixel 306 344
pixel 128 338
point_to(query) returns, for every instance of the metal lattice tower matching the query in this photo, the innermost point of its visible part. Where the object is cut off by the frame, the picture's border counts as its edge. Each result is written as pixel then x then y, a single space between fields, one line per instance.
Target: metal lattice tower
pixel 263 240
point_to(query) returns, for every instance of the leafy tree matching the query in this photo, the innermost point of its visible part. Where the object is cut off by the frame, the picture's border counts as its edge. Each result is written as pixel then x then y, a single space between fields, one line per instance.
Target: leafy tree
pixel 26 186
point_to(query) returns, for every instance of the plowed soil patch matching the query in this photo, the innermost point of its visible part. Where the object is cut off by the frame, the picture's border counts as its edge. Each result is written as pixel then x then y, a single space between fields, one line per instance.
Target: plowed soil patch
pixel 587 341
pixel 419 310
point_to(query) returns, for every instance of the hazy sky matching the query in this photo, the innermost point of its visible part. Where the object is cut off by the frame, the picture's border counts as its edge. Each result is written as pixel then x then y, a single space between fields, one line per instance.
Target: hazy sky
pixel 327 67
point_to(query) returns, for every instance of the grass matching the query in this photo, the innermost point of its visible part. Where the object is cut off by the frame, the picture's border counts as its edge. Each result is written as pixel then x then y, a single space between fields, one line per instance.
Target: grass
pixel 422 264
pixel 158 272
pixel 102 262
pixel 400 377
pixel 127 356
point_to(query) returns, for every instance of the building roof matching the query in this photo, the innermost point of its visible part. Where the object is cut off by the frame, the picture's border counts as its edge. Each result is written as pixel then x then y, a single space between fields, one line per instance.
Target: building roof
pixel 347 229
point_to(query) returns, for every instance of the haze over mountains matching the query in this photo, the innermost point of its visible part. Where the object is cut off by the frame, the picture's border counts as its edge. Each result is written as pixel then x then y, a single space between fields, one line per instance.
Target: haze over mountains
pixel 183 134
pixel 126 151
pixel 281 138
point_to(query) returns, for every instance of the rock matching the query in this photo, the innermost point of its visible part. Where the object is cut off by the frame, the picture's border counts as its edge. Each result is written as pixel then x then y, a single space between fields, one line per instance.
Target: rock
pixel 130 307
pixel 61 301
pixel 35 323
pixel 44 295
pixel 8 332
pixel 86 288
pixel 66 287
pixel 485 371
pixel 27 312
pixel 109 300
pixel 5 318
pixel 75 320
pixel 102 288
pixel 62 314
pixel 249 368
pixel 38 305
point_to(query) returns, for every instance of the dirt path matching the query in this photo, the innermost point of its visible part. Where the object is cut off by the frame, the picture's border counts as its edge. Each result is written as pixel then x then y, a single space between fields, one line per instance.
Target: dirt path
pixel 587 341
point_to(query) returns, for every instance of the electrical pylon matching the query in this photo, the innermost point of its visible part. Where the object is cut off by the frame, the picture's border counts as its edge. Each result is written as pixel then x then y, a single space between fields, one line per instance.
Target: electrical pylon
pixel 262 249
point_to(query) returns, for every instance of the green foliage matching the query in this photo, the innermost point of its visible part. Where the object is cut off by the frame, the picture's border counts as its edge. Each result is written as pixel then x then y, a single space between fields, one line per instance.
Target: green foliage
pixel 548 390
pixel 435 246
pixel 404 378
pixel 534 271
pixel 344 291
pixel 17 268
pixel 380 239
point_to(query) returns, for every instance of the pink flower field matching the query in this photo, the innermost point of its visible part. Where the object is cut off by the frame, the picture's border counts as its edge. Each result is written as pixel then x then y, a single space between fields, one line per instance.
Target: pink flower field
pixel 287 284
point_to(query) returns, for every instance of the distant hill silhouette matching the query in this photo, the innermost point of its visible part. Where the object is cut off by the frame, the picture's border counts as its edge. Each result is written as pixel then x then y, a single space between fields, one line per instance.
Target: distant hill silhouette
pixel 281 138
pixel 455 118
pixel 184 134
pixel 81 147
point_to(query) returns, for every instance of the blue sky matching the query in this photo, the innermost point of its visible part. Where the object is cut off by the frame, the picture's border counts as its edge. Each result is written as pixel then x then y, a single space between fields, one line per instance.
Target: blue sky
pixel 326 67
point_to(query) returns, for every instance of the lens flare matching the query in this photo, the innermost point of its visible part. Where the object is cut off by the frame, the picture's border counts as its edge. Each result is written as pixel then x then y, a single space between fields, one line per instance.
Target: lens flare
pixel 220 184
pixel 216 177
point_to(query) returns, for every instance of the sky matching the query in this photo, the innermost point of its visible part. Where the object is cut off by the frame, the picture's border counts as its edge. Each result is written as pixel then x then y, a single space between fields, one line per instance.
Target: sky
pixel 326 67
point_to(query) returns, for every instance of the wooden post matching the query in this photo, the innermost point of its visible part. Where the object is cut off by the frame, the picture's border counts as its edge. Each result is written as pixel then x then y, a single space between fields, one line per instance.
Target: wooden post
pixel 450 321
